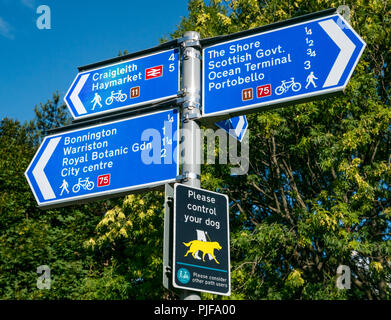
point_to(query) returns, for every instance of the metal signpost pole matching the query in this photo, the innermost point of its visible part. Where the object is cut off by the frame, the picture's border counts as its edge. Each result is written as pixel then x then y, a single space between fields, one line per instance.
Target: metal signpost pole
pixel 191 144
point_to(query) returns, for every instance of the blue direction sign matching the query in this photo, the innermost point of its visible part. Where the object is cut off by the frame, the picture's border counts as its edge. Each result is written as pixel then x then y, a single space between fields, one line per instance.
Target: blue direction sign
pixel 126 84
pixel 290 63
pixel 105 160
pixel 236 126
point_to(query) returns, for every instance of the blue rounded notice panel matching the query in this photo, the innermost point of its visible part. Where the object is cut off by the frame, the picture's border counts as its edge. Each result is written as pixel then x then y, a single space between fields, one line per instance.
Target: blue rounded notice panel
pixel 106 160
pixel 126 84
pixel 294 62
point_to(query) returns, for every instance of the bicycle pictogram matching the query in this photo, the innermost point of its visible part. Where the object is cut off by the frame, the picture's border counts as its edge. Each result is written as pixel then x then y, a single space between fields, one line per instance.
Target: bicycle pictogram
pixel 117 96
pixel 286 85
pixel 86 184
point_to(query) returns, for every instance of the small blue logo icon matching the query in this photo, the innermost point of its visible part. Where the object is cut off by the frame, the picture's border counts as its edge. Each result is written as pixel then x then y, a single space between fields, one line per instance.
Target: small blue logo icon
pixel 183 275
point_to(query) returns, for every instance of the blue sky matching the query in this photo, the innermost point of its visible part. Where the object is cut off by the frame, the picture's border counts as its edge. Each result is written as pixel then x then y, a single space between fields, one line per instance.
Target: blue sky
pixel 35 63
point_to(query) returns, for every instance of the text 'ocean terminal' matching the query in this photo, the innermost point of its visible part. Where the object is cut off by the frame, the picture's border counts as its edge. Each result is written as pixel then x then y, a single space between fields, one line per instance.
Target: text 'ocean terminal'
pixel 225 67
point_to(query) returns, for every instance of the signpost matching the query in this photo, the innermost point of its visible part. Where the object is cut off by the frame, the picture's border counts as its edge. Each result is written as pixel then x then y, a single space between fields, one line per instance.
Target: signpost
pixel 127 84
pixel 102 161
pixel 283 65
pixel 201 240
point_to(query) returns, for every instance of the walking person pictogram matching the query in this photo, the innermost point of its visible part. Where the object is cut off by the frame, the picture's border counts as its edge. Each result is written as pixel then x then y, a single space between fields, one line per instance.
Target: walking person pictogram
pixel 97 99
pixel 310 80
pixel 64 186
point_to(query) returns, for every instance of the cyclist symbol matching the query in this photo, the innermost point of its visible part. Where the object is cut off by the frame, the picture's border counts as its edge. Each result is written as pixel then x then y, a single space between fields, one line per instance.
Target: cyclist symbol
pixel 285 85
pixel 117 96
pixel 86 184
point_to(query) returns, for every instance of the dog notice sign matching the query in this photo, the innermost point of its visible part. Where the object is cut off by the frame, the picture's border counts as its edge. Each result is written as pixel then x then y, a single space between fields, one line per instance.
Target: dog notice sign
pixel 201 240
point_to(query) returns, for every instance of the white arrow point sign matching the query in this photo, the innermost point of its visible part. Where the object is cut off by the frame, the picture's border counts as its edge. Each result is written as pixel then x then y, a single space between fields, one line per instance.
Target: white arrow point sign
pixel 39 174
pixel 75 95
pixel 347 48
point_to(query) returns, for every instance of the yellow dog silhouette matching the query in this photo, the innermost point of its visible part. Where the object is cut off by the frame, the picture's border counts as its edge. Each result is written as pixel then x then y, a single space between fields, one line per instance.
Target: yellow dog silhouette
pixel 204 246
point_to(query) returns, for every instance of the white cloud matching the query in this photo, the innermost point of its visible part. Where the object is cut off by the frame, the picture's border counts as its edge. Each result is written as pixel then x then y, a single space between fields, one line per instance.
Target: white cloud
pixel 6 29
